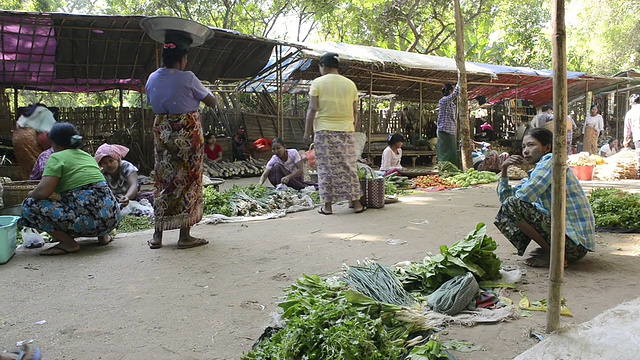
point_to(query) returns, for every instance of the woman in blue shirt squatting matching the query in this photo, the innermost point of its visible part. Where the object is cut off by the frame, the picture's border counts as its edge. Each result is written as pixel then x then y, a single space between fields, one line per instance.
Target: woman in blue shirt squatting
pixel 525 213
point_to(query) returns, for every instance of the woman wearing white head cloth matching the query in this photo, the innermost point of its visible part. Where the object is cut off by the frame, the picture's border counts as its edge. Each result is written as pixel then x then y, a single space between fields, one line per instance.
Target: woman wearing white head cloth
pixel 30 137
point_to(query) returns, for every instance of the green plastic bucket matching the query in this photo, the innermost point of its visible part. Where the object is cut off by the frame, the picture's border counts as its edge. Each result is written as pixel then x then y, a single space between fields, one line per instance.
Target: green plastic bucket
pixel 8 236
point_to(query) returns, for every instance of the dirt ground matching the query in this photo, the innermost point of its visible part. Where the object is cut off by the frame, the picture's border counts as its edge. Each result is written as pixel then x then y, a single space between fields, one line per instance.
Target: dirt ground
pixel 125 301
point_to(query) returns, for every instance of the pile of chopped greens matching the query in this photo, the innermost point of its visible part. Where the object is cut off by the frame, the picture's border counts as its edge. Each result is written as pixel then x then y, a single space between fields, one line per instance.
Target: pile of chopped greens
pixel 613 208
pixel 130 224
pixel 474 254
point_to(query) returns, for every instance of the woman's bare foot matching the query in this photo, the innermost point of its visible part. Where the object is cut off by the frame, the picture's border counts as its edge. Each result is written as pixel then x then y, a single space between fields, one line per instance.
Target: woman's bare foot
pixel 541 261
pixel 189 241
pixel 61 249
pixel 357 206
pixel 156 240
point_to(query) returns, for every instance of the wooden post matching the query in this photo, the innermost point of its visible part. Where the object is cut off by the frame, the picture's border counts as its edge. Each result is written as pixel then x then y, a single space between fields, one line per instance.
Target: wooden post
pixel 559 166
pixel 421 110
pixel 370 112
pixel 463 108
pixel 15 106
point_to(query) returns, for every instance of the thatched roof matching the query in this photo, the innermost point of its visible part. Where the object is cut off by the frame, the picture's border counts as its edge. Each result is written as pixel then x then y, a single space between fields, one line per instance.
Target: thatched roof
pixel 407 75
pixel 66 52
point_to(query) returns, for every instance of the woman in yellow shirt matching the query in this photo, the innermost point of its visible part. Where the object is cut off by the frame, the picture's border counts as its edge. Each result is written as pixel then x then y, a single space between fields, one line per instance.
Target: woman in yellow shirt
pixel 332 117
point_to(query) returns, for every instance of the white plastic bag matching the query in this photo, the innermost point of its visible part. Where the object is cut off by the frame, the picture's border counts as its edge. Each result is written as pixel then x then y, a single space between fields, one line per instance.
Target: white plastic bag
pixel 31 238
pixel 135 208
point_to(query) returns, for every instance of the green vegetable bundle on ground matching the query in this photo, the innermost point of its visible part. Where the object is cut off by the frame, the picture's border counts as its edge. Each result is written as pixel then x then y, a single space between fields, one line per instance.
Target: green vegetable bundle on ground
pixel 400 182
pixel 474 254
pixel 252 200
pixel 333 319
pixel 325 320
pixel 473 177
pixel 130 224
pixel 614 208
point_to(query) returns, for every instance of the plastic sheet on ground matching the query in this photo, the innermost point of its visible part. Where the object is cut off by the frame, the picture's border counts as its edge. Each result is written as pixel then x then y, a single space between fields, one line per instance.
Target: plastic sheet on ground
pixel 613 334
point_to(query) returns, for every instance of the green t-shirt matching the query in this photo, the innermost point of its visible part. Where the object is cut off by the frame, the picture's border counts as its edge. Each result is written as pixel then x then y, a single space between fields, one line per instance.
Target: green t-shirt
pixel 74 167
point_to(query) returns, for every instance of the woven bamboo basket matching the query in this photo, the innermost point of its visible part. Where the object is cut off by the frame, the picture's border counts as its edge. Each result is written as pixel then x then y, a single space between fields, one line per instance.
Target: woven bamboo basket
pixel 15 192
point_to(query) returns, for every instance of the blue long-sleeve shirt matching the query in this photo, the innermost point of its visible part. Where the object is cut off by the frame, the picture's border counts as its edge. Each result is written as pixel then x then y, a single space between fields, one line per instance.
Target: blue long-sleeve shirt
pixel 580 223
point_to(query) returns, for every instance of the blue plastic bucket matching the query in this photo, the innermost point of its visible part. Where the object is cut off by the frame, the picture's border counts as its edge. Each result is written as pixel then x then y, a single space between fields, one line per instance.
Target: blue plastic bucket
pixel 8 236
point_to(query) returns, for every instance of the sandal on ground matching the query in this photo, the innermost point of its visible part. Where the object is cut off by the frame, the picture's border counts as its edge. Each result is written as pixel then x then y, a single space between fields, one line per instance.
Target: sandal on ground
pixel 321 211
pixel 57 250
pixel 109 239
pixel 192 244
pixel 361 210
pixel 154 245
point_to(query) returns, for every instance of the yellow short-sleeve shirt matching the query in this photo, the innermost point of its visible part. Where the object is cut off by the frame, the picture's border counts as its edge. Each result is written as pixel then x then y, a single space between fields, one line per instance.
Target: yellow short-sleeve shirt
pixel 336 95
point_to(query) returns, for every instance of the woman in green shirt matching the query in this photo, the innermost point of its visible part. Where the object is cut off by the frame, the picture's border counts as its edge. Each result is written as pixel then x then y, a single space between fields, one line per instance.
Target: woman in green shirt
pixel 87 206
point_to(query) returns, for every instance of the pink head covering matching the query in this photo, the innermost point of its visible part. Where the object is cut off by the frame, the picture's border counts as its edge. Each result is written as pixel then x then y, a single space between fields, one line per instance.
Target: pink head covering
pixel 114 151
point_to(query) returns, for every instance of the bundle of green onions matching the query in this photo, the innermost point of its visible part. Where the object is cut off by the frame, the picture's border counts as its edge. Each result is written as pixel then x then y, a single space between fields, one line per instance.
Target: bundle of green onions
pixel 379 283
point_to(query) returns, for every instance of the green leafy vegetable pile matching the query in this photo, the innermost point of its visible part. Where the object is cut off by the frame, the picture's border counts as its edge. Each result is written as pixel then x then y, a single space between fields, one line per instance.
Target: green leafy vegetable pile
pixel 252 200
pixel 614 208
pixel 323 324
pixel 474 254
pixel 473 177
pixel 130 224
pixel 331 318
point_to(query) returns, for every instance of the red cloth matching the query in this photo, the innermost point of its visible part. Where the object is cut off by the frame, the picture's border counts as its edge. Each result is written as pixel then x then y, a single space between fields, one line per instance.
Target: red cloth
pixel 213 154
pixel 262 145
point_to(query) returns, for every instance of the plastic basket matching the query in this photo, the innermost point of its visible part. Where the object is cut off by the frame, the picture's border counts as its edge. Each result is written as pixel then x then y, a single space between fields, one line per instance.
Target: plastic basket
pixel 8 236
pixel 584 173
pixel 373 193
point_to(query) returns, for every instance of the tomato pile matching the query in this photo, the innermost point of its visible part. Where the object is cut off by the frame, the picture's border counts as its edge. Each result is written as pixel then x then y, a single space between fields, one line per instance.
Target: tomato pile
pixel 431 181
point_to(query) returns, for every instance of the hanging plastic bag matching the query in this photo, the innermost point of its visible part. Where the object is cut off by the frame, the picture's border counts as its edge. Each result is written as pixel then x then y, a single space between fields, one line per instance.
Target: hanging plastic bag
pixel 31 238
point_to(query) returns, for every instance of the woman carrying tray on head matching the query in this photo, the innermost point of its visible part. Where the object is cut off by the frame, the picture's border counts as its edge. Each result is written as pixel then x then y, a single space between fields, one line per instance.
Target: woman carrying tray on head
pixel 175 96
pixel 525 213
pixel 87 207
pixel 392 155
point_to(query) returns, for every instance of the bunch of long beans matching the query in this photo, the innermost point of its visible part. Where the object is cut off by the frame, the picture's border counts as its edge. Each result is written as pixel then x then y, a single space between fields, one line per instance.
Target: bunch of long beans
pixel 379 283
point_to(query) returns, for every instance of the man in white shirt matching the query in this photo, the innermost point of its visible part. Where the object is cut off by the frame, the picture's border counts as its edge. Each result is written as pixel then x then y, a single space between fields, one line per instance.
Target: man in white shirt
pixel 632 128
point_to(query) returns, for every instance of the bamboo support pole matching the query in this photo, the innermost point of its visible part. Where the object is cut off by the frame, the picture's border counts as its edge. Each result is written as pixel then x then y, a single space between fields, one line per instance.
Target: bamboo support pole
pixel 370 112
pixel 616 113
pixel 463 108
pixel 559 166
pixel 421 115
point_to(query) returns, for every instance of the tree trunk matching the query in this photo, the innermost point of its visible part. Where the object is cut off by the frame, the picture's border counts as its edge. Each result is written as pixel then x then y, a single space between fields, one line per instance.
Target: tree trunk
pixel 463 108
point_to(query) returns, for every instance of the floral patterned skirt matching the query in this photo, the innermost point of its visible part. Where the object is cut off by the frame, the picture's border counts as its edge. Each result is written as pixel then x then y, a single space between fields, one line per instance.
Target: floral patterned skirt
pixel 87 211
pixel 179 152
pixel 514 210
pixel 336 163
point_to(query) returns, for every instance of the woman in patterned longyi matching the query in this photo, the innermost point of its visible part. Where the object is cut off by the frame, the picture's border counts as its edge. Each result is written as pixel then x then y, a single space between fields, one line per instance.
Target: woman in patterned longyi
pixel 175 96
pixel 332 118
